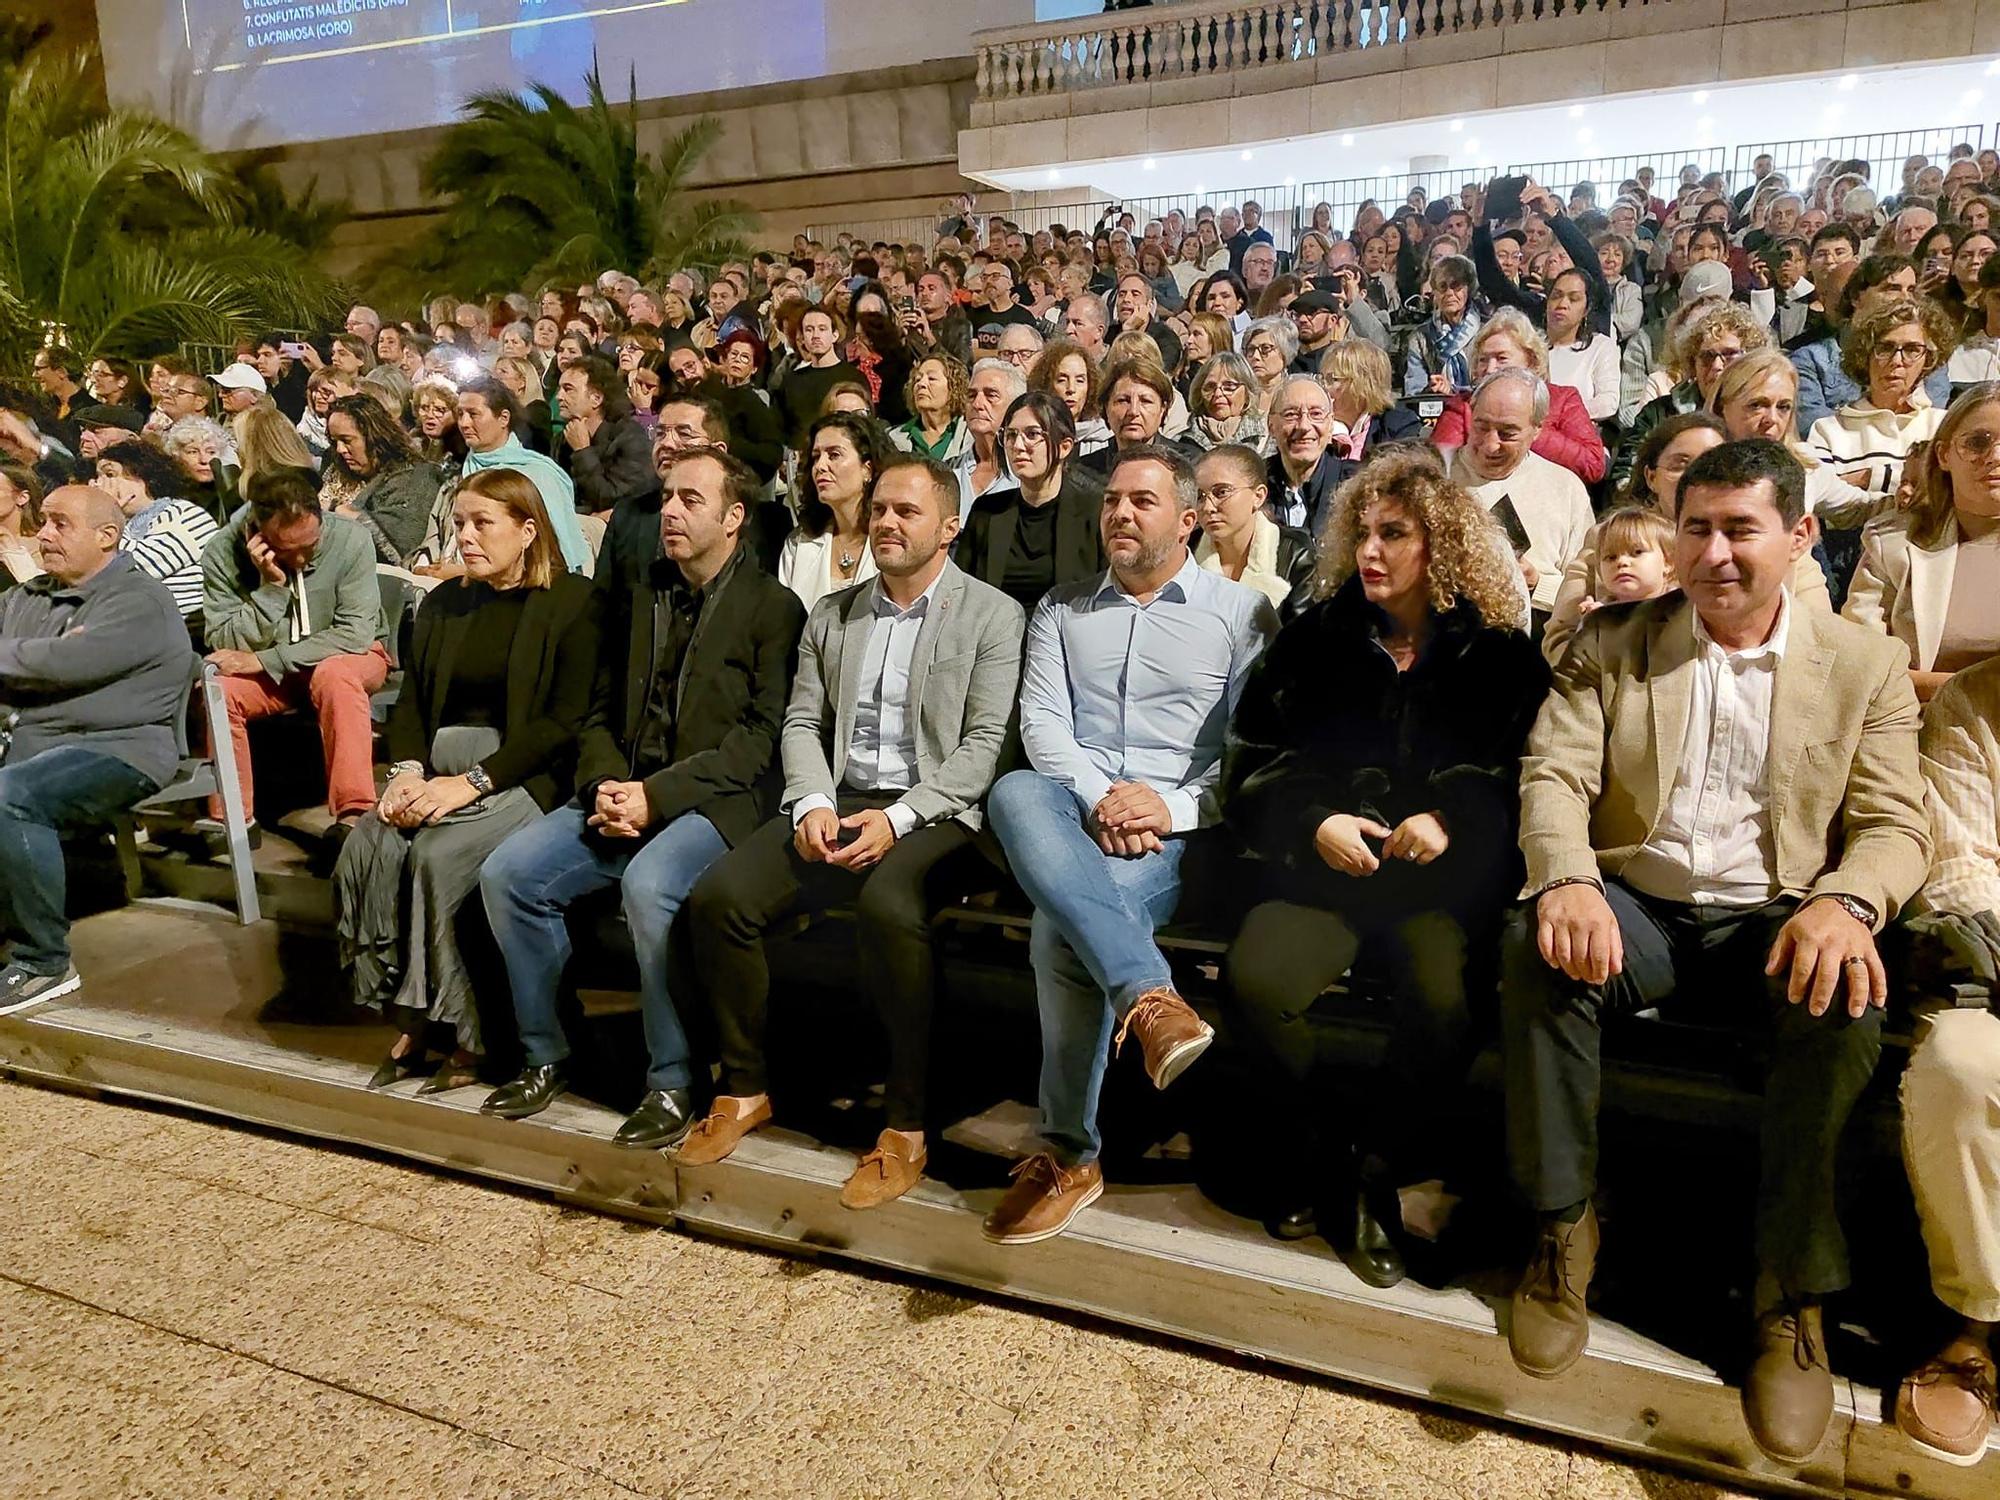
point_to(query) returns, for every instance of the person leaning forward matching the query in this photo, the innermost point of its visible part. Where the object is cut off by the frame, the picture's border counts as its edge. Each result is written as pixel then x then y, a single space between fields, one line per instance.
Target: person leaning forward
pixel 674 767
pixel 1721 788
pixel 898 721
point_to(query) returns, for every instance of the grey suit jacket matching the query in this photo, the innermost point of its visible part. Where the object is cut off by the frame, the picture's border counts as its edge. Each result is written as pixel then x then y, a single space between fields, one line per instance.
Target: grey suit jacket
pixel 965 680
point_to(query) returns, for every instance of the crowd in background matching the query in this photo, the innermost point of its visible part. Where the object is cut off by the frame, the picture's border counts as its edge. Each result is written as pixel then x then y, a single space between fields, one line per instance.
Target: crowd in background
pixel 1402 562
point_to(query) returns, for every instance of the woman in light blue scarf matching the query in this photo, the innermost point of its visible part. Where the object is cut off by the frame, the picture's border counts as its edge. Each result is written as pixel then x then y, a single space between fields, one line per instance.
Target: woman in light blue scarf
pixel 1439 357
pixel 488 415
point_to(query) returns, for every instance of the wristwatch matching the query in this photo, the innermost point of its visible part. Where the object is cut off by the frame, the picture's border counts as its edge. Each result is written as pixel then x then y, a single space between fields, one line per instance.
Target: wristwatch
pixel 1854 906
pixel 480 781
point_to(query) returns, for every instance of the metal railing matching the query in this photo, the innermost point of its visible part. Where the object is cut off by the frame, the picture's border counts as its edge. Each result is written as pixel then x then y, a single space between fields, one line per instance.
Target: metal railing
pixel 1344 197
pixel 1231 36
pixel 1606 172
pixel 1884 151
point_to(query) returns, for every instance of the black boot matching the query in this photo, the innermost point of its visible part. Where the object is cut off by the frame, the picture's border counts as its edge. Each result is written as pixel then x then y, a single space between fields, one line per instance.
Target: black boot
pixel 1374 1249
pixel 529 1094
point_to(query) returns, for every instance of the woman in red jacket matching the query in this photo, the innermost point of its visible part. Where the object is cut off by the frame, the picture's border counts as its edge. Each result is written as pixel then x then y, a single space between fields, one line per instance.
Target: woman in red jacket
pixel 1568 438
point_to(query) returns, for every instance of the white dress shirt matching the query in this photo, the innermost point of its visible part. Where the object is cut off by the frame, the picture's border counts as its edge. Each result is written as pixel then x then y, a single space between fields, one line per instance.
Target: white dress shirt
pixel 882 754
pixel 1713 845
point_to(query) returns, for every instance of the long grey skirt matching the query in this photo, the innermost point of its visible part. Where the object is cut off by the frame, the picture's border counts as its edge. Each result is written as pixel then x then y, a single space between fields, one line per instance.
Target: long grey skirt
pixel 397 892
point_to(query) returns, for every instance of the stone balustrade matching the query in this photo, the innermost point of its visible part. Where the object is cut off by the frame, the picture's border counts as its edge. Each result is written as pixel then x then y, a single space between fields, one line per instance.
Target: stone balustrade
pixel 1208 37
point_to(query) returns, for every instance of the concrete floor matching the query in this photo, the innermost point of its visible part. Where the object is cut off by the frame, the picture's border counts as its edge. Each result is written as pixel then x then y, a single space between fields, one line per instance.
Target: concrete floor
pixel 194 1312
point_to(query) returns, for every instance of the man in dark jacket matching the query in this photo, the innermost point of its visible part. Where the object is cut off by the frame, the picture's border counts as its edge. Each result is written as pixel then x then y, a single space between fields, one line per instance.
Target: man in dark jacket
pixel 675 765
pixel 94 665
pixel 604 450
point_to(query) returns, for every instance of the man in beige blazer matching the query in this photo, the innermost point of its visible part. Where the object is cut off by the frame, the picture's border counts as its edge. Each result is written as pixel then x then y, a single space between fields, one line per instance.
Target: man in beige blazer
pixel 1720 806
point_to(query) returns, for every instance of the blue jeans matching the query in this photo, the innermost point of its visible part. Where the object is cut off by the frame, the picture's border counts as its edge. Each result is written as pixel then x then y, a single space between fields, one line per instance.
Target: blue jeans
pixel 40 797
pixel 528 881
pixel 1091 945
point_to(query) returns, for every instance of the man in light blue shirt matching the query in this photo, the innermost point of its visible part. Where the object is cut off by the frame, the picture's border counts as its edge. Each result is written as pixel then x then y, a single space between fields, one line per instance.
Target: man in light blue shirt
pixel 1128 683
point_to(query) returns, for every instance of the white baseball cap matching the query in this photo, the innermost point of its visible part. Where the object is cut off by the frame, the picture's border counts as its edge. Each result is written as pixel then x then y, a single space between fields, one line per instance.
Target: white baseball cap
pixel 241 377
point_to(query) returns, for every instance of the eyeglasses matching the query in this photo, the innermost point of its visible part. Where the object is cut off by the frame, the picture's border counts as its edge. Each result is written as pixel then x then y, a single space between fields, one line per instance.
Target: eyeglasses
pixel 1903 353
pixel 1718 357
pixel 1225 387
pixel 1219 494
pixel 1978 444
pixel 1024 437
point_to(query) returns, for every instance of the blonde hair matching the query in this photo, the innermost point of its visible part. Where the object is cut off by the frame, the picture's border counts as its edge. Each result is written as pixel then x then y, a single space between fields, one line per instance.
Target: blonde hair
pixel 1364 369
pixel 267 440
pixel 1751 371
pixel 522 499
pixel 1133 348
pixel 1512 323
pixel 1464 562
pixel 1724 317
pixel 1928 478
pixel 1632 526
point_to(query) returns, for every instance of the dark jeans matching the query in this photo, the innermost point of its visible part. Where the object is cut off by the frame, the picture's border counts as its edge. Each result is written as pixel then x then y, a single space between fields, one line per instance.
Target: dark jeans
pixel 40 798
pixel 763 880
pixel 1702 964
pixel 1282 959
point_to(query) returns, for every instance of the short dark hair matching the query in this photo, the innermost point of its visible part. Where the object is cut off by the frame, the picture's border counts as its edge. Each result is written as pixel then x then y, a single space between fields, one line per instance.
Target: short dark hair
pixel 282 494
pixel 714 420
pixel 62 357
pixel 1837 230
pixel 944 481
pixel 602 377
pixel 1714 231
pixel 740 484
pixel 272 341
pixel 163 478
pixel 1052 413
pixel 1172 459
pixel 868 439
pixel 1745 463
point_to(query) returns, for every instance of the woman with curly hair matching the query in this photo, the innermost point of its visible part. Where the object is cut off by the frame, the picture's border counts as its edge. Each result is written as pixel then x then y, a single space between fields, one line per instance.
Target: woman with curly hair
pixel 1705 345
pixel 1065 370
pixel 1891 346
pixel 1383 814
pixel 392 487
pixel 936 395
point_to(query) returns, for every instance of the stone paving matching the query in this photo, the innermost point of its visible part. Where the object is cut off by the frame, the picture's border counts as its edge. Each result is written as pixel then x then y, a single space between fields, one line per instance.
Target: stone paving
pixel 194 1312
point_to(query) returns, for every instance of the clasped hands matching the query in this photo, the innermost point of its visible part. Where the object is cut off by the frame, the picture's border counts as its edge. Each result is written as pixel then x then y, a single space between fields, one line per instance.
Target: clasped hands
pixel 1822 946
pixel 412 801
pixel 869 836
pixel 1130 820
pixel 621 810
pixel 1342 841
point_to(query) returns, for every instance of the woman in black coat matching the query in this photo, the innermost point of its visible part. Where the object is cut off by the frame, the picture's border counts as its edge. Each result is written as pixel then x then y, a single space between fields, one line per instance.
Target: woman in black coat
pixel 483 739
pixel 1043 529
pixel 1371 771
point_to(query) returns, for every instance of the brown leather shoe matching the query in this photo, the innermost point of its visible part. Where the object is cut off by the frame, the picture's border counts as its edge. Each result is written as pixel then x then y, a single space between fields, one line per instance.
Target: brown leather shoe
pixel 1550 1326
pixel 894 1167
pixel 1788 1392
pixel 1946 1405
pixel 1045 1196
pixel 718 1133
pixel 1170 1034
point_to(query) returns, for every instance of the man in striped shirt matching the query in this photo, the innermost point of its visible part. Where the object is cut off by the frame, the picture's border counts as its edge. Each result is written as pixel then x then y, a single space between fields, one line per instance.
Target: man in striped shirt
pixel 164 533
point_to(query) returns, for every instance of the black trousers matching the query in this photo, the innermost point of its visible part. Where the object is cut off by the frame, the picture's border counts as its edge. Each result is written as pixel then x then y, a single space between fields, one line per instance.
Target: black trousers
pixel 1286 954
pixel 763 880
pixel 1703 964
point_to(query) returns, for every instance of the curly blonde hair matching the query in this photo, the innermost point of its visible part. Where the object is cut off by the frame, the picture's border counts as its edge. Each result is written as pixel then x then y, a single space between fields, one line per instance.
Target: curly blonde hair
pixel 1724 317
pixel 1512 323
pixel 1857 349
pixel 1465 561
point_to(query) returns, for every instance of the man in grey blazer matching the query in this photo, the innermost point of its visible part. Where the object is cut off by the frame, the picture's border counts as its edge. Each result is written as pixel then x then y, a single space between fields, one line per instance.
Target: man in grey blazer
pixel 902 706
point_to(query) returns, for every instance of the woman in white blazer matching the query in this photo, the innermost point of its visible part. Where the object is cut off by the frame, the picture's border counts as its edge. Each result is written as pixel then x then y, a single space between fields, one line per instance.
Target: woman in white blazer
pixel 1893 343
pixel 1930 575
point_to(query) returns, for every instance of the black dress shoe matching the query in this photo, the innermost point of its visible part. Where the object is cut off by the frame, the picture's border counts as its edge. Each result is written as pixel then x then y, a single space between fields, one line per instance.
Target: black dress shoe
pixel 1372 1252
pixel 659 1122
pixel 529 1094
pixel 1299 1223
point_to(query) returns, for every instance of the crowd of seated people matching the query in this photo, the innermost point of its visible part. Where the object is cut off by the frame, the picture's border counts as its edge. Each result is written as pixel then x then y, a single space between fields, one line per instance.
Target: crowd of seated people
pixel 1562 612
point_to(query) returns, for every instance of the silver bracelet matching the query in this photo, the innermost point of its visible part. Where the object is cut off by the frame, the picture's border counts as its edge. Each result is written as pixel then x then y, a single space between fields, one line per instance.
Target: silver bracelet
pixel 406 768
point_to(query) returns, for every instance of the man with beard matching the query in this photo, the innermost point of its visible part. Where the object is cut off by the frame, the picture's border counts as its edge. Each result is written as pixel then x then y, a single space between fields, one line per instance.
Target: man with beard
pixel 898 717
pixel 1129 679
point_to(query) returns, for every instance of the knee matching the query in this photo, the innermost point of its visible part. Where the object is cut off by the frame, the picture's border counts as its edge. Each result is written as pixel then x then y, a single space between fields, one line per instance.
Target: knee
pixel 502 872
pixel 716 902
pixel 649 899
pixel 339 677
pixel 1955 1070
pixel 1013 797
pixel 890 909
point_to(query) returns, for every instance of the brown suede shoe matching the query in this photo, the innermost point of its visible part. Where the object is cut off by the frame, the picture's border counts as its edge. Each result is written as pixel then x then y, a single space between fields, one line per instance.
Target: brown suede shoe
pixel 894 1167
pixel 1946 1405
pixel 1550 1326
pixel 1170 1034
pixel 1044 1198
pixel 729 1119
pixel 1788 1392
